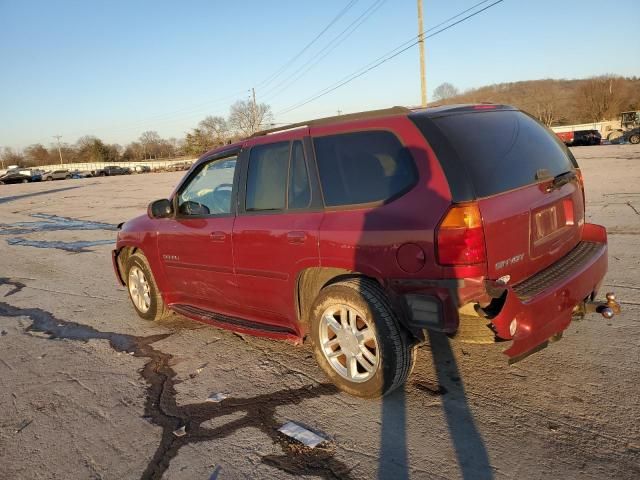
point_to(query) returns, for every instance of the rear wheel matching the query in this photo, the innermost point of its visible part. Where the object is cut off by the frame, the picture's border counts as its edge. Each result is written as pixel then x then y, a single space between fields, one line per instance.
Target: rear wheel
pixel 48 179
pixel 358 341
pixel 24 180
pixel 635 138
pixel 143 291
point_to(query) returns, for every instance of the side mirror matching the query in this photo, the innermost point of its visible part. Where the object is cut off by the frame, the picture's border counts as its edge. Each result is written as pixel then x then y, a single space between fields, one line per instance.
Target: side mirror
pixel 160 209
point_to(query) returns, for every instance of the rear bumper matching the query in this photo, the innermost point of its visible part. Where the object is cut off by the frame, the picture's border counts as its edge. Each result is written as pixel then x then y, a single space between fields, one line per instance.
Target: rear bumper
pixel 543 309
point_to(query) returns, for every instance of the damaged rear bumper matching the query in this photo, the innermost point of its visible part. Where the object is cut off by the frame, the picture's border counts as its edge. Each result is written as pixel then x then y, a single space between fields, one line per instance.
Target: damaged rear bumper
pixel 540 309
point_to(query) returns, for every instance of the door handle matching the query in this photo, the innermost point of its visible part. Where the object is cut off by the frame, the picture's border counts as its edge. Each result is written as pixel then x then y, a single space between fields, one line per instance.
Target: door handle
pixel 296 237
pixel 218 236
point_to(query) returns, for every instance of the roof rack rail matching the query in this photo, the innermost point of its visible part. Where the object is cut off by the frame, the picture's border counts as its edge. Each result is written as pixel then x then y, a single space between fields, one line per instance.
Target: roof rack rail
pixel 336 118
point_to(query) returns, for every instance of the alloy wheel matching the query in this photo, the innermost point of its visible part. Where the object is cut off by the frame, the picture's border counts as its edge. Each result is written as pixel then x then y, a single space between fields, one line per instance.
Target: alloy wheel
pixel 139 289
pixel 349 343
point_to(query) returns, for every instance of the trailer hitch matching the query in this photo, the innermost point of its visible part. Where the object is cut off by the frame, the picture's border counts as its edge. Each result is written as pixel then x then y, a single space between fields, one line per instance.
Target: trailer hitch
pixel 607 309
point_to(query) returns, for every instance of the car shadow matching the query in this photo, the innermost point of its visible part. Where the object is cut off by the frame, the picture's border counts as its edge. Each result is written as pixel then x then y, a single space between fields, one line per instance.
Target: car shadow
pixel 469 447
pixel 379 224
pixel 35 194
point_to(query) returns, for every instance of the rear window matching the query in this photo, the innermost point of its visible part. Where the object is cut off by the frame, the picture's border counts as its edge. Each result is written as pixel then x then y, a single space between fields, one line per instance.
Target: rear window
pixel 363 167
pixel 502 150
pixel 267 177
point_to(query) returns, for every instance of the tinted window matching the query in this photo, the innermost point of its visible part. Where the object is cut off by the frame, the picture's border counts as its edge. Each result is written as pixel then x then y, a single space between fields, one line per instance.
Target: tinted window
pixel 211 188
pixel 267 177
pixel 363 167
pixel 502 150
pixel 299 189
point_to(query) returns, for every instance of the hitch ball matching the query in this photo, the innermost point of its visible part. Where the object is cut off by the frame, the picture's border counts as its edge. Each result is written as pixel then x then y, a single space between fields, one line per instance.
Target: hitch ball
pixel 607 312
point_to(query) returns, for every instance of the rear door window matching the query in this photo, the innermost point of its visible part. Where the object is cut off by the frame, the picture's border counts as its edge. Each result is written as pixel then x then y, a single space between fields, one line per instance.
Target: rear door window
pixel 299 188
pixel 501 150
pixel 363 167
pixel 267 177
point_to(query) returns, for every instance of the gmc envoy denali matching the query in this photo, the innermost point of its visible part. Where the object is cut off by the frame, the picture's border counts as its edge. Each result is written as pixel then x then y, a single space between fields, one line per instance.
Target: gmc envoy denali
pixel 361 232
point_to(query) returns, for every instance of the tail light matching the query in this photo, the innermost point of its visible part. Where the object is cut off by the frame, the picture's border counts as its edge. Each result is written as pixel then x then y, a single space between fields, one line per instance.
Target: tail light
pixel 460 236
pixel 581 183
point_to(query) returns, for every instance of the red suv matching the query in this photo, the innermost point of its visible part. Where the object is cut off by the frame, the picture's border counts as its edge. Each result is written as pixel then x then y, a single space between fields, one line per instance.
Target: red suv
pixel 361 232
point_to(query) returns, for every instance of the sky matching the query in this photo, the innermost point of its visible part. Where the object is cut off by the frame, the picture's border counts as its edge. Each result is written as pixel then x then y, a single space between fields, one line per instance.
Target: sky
pixel 116 68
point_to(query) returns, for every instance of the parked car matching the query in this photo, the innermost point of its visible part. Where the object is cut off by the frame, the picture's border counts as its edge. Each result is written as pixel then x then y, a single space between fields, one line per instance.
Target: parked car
pixel 20 176
pixel 580 137
pixel 81 174
pixel 177 167
pixel 111 170
pixel 363 232
pixel 57 175
pixel 586 138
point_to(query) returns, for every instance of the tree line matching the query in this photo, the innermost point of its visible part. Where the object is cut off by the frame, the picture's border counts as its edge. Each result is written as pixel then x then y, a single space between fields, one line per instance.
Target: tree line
pixel 556 102
pixel 244 119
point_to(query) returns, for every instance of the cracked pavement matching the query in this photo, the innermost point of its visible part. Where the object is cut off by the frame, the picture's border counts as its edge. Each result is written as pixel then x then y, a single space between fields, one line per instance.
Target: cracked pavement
pixel 89 390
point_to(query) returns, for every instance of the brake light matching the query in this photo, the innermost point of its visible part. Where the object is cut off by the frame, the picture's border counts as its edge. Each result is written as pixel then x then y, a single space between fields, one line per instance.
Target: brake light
pixel 460 236
pixel 581 183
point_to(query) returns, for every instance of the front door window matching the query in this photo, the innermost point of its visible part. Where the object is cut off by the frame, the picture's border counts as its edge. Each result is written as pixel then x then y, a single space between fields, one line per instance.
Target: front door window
pixel 209 191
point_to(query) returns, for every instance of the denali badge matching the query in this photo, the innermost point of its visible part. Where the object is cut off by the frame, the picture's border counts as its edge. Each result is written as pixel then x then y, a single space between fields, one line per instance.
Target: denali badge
pixel 510 261
pixel 175 258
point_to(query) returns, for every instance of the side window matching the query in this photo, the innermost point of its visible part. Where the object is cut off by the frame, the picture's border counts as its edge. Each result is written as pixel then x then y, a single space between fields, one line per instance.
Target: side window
pixel 267 177
pixel 299 189
pixel 363 167
pixel 209 191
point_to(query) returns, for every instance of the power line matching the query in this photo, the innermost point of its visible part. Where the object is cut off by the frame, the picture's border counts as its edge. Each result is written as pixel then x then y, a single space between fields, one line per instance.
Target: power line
pixel 362 71
pixel 326 50
pixel 191 111
pixel 268 80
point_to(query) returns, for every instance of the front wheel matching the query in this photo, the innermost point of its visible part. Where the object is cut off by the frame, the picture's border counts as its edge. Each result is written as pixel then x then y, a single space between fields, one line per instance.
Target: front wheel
pixel 143 290
pixel 635 138
pixel 357 340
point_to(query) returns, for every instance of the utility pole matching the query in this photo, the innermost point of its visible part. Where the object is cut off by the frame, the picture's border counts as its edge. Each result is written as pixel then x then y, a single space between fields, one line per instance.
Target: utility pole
pixel 254 109
pixel 423 77
pixel 58 137
pixel 339 112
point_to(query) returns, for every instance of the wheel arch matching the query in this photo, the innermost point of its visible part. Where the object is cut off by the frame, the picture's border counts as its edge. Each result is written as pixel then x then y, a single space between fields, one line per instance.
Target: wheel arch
pixel 312 280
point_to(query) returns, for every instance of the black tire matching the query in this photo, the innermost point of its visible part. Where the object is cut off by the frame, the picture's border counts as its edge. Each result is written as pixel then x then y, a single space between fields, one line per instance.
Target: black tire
pixel 635 138
pixel 48 179
pixel 102 174
pixel 157 308
pixel 24 180
pixel 395 350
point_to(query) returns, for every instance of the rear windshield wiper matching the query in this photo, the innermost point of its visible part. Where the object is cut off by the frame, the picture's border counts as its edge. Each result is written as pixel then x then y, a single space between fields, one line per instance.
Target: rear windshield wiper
pixel 562 179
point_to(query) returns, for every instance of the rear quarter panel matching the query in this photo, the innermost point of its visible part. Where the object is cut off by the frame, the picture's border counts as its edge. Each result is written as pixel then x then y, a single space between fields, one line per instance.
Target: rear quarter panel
pixel 366 238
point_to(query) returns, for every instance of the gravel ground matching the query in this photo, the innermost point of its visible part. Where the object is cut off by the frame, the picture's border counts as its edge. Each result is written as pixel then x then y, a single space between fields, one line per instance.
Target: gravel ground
pixel 89 390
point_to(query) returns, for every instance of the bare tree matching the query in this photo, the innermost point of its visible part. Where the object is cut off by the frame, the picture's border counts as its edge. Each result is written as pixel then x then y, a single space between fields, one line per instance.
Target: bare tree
pixel 444 91
pixel 544 102
pixel 246 118
pixel 36 155
pixel 599 97
pixel 9 157
pixel 150 141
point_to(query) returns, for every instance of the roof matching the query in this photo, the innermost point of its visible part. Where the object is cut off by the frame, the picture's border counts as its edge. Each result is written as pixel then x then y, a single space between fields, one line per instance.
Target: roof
pixel 337 119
